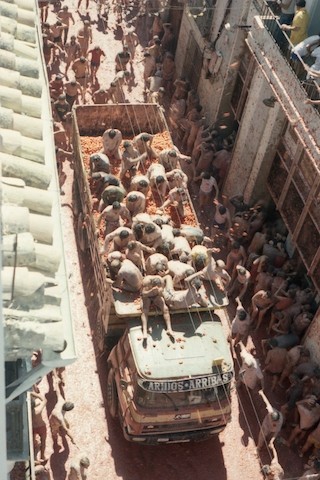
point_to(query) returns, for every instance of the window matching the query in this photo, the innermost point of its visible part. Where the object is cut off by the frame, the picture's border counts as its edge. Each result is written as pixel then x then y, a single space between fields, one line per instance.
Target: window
pixel 242 85
pixel 202 10
pixel 193 62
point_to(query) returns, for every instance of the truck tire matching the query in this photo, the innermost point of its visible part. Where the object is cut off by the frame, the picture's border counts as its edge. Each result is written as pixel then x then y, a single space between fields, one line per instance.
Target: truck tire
pixel 112 396
pixel 82 235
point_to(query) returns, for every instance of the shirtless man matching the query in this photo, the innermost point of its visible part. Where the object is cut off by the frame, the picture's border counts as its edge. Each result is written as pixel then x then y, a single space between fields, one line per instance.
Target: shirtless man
pixel 177 178
pixel 66 17
pixel 149 67
pixel 117 240
pixel 170 157
pixel 250 373
pixel 58 423
pixel 110 194
pixel 112 139
pixel 73 51
pixel 274 364
pixel 135 203
pixel 143 142
pixel 209 272
pixel 141 184
pixel 177 197
pixel 134 252
pixel 271 424
pixel 240 325
pixel 241 282
pixel 112 215
pixel 84 37
pixel 152 235
pixel 99 162
pixel 181 299
pixel 181 246
pixel 81 68
pixel 96 53
pixel 101 96
pixel 236 256
pixel 207 152
pixel 39 427
pixel 78 468
pixel 157 264
pixel 129 277
pixel 179 271
pixel 130 160
pixel 131 39
pixel 309 413
pixel 157 178
pixel 152 293
pixel 261 302
pixel 73 91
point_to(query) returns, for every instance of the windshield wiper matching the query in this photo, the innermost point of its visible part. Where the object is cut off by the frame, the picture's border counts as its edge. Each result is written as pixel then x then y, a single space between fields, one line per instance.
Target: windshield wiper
pixel 171 400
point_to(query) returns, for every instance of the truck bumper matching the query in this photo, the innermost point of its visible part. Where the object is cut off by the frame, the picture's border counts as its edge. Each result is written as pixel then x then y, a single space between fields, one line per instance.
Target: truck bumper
pixel 179 437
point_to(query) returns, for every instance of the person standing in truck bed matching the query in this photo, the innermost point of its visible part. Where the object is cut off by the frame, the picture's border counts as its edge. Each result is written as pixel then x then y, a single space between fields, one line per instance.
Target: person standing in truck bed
pixel 112 139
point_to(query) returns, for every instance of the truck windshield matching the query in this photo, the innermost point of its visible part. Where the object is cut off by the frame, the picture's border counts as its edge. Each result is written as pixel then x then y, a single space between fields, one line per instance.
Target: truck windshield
pixel 176 400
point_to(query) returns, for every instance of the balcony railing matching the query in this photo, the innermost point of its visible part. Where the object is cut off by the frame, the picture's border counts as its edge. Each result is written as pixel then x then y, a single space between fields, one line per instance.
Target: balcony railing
pixel 269 17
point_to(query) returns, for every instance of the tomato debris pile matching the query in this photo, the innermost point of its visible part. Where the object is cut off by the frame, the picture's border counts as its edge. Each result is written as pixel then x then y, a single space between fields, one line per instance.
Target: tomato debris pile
pixel 90 145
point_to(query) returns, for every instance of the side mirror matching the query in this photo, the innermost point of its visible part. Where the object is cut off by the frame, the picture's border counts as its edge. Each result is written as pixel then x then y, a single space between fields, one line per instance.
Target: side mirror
pixel 123 384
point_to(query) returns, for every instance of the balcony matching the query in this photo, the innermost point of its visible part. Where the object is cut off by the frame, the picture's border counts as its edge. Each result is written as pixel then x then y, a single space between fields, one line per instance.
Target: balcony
pixel 269 17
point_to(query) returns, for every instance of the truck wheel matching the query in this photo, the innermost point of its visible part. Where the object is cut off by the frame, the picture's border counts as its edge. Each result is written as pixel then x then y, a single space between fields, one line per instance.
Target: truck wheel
pixel 82 233
pixel 112 396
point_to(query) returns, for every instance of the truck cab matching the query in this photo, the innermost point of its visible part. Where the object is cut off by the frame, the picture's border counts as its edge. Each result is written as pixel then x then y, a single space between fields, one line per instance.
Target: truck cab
pixel 168 391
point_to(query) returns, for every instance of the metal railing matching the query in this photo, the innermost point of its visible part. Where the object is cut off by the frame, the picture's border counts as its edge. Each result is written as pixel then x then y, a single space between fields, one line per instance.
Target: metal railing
pixel 270 18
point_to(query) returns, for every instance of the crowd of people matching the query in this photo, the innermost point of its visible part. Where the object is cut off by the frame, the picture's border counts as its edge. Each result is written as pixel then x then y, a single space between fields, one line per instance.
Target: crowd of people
pixel 240 251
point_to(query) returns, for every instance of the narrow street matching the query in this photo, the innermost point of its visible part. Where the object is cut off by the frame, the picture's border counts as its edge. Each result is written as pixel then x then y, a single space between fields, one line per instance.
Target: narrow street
pixel 230 456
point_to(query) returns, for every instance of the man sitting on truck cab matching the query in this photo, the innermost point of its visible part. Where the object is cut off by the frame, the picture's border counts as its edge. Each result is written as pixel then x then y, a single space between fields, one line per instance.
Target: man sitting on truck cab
pixel 152 293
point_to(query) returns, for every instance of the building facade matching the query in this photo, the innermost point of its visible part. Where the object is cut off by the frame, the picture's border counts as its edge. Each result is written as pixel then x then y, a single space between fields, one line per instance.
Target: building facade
pixel 242 67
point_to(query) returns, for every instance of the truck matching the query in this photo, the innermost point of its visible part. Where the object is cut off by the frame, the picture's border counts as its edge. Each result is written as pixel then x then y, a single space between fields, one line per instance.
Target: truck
pixel 172 390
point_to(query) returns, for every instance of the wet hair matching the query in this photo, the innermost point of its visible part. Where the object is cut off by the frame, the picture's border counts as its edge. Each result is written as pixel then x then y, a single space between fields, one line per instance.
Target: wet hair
pixel 149 228
pixel 301 3
pixel 112 133
pixel 222 209
pixel 197 283
pixel 159 179
pixel 123 234
pixel 65 7
pixel 138 230
pixel 62 96
pixel 242 315
pixel 157 41
pixel 235 246
pixel 147 54
pixel 85 462
pixel 206 175
pixel 220 263
pixel 275 415
pixel 176 232
pixel 127 144
pixel 242 270
pixel 159 267
pixel 159 222
pixel 82 59
pixel 116 205
pixel 67 406
pixel 184 258
pixel 58 23
pixel 163 248
pixel 172 153
pixel 145 137
pixel 131 245
pixel 132 197
pixel 143 183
